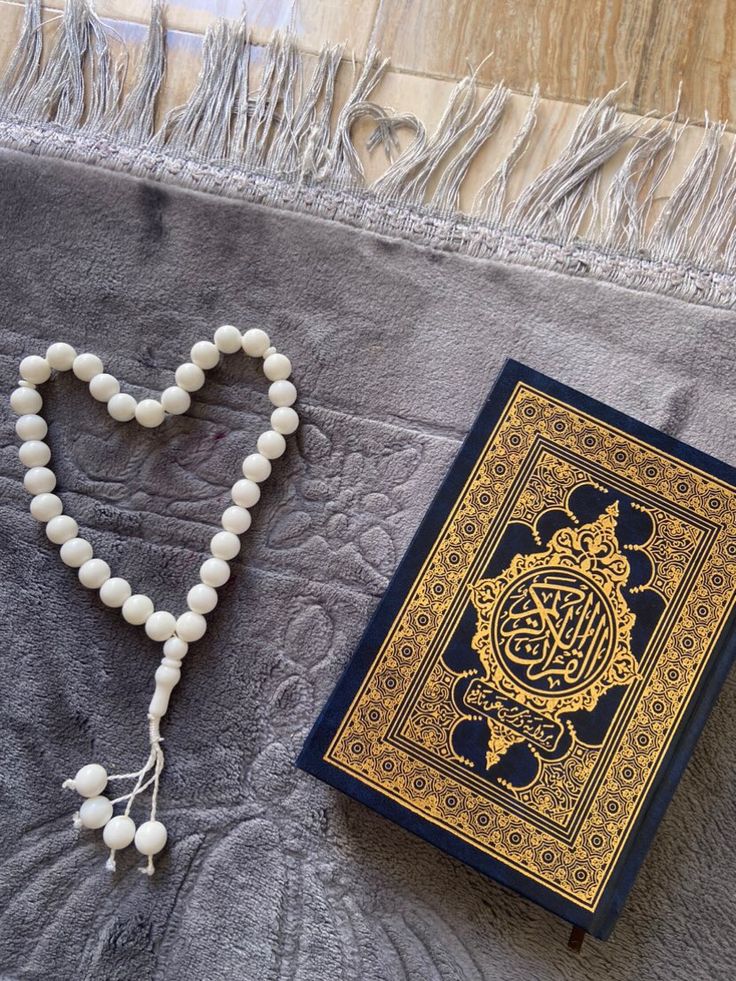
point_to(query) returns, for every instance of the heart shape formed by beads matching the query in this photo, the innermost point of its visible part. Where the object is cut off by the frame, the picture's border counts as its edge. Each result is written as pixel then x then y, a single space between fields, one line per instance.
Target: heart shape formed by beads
pixel 175 633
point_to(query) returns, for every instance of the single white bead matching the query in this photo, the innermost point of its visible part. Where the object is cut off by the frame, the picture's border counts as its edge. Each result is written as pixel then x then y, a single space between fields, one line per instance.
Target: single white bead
pixel 150 413
pixel 86 366
pixel 137 608
pixel 205 355
pixel 284 420
pixel 31 427
pixel 201 598
pixel 90 780
pixel 119 832
pixel 168 675
pixel 44 507
pixel 225 545
pixel 115 592
pixel 35 369
pixel 61 356
pixel 122 407
pixel 75 552
pixel 175 400
pixel 150 838
pixel 175 648
pixel 214 572
pixel 268 352
pixel 246 493
pixel 26 401
pixel 271 444
pixel 190 626
pixel 228 339
pixel 276 367
pixel 93 573
pixel 103 386
pixel 189 377
pixel 95 812
pixel 39 480
pixel 256 467
pixel 61 528
pixel 34 453
pixel 282 393
pixel 236 519
pixel 160 625
pixel 255 342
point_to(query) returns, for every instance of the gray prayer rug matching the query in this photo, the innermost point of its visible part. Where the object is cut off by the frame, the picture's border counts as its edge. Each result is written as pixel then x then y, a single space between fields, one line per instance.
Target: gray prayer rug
pixel 398 313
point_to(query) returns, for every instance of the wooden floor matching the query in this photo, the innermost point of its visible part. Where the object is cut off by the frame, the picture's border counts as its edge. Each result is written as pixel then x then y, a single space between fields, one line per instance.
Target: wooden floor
pixel 574 49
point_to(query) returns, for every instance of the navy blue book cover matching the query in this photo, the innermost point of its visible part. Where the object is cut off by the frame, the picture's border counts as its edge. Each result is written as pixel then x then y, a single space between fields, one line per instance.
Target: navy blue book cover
pixel 532 683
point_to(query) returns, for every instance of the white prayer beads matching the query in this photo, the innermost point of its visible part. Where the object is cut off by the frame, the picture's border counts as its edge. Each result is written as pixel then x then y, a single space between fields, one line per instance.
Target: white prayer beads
pixel 225 545
pixel 191 626
pixel 61 356
pixel 95 812
pixel 236 519
pixel 150 838
pixel 93 573
pixel 90 780
pixel 122 407
pixel 114 592
pixel 86 366
pixel 75 552
pixel 228 339
pixel 214 572
pixel 31 426
pixel 137 609
pixel 150 413
pixel 202 599
pixel 39 480
pixel 161 625
pixel 282 393
pixel 284 420
pixel 205 355
pixel 271 444
pixel 26 400
pixel 175 649
pixel 35 369
pixel 189 377
pixel 44 507
pixel 256 467
pixel 255 342
pixel 246 493
pixel 61 528
pixel 277 367
pixel 175 633
pixel 103 386
pixel 175 400
pixel 119 832
pixel 34 453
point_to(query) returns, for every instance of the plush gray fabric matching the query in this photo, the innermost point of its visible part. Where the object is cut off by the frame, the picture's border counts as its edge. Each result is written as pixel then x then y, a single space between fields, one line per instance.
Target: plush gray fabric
pixel 271 875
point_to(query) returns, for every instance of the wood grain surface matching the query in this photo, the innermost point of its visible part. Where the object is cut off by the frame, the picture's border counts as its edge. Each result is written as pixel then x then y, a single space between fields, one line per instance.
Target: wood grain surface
pixel 575 50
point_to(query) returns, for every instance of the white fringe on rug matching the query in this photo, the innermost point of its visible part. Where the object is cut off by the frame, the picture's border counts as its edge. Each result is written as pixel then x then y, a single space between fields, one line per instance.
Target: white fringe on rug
pixel 275 145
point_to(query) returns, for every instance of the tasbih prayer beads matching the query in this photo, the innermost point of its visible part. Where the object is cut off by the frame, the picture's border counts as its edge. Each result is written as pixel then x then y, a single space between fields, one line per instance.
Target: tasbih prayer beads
pixel 176 633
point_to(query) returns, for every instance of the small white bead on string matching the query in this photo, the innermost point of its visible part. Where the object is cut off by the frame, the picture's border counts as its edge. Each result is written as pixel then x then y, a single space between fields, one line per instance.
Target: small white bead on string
pixel 175 633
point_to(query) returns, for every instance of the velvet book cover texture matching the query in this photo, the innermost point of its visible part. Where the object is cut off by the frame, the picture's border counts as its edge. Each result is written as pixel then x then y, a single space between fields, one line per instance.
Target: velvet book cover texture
pixel 533 681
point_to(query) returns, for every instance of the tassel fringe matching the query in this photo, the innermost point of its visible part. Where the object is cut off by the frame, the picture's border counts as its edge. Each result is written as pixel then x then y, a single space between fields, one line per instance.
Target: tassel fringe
pixel 290 144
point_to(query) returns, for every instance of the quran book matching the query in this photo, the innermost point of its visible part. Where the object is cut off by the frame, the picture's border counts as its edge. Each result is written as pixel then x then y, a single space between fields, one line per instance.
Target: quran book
pixel 534 679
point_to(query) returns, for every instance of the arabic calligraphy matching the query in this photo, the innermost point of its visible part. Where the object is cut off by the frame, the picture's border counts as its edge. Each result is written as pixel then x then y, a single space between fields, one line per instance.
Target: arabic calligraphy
pixel 543 732
pixel 553 630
